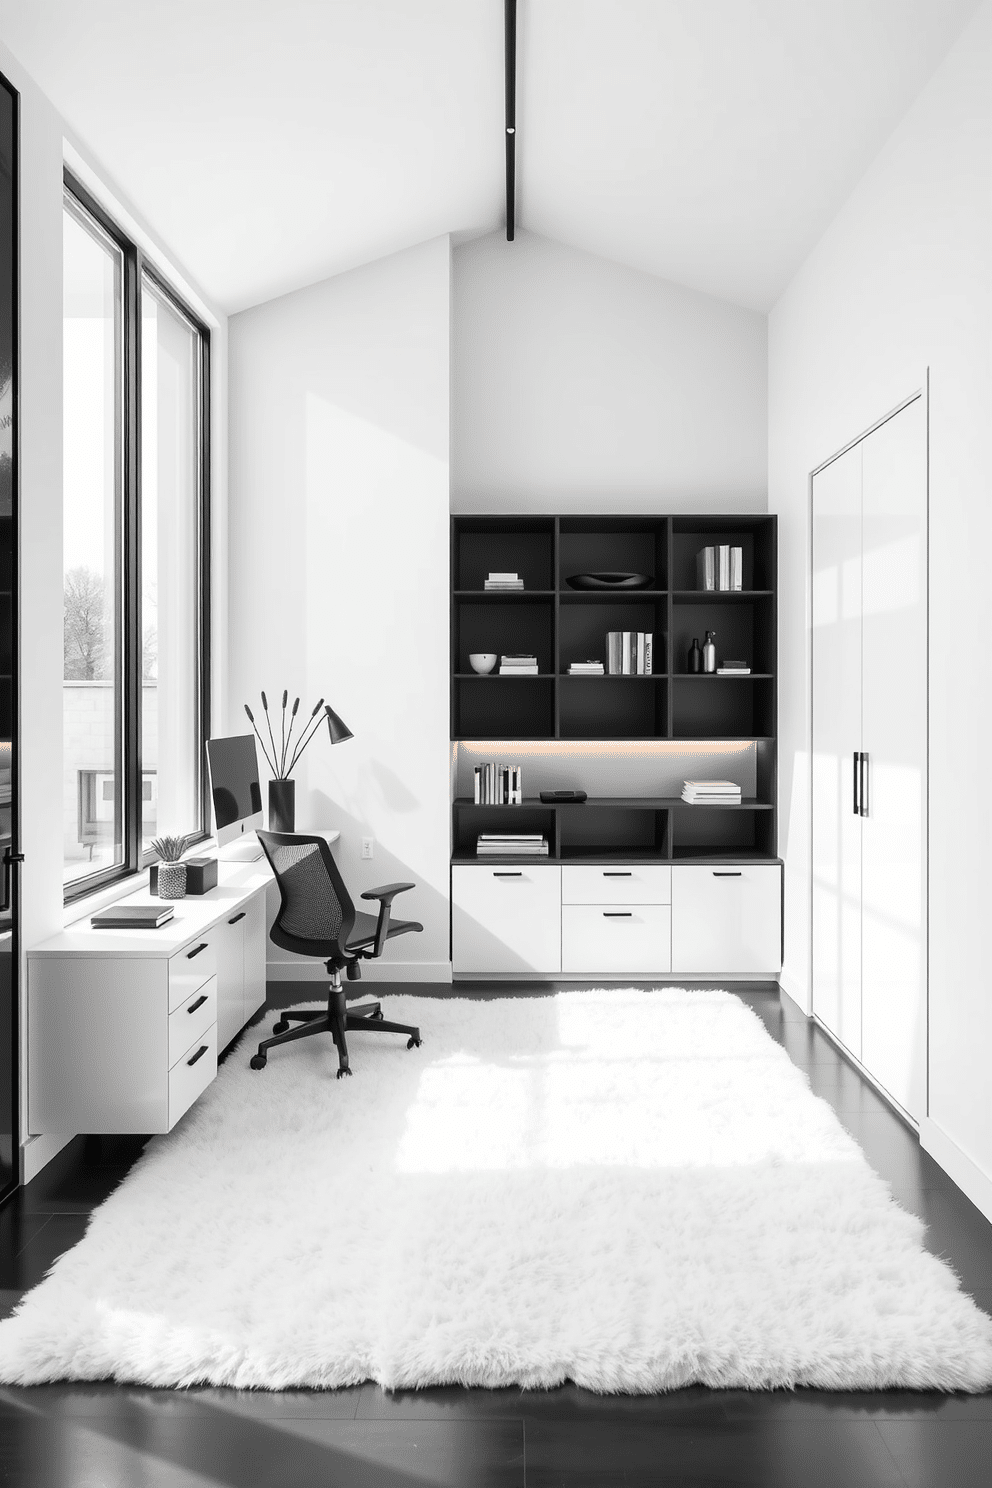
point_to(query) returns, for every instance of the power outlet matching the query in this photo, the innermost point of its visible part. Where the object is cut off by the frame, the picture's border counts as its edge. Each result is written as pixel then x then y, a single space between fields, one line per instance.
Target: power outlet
pixel 367 847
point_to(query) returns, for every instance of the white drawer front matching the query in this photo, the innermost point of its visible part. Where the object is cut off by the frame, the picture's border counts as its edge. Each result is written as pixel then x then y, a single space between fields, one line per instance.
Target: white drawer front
pixel 192 1073
pixel 505 918
pixel 727 917
pixel 645 883
pixel 189 969
pixel 631 939
pixel 191 1021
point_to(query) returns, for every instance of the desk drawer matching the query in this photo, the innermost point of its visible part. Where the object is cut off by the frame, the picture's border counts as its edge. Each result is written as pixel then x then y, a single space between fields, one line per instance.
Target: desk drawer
pixel 189 969
pixel 192 1073
pixel 189 1023
pixel 609 883
pixel 631 939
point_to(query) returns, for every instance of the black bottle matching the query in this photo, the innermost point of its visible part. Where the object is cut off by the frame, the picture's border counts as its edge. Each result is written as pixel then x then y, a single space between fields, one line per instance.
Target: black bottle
pixel 695 656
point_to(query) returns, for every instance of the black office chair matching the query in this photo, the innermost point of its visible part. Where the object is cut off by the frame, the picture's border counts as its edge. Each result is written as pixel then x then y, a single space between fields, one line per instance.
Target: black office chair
pixel 317 918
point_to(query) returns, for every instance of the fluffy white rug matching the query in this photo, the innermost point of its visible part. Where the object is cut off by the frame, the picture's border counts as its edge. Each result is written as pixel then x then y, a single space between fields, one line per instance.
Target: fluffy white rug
pixel 631 1190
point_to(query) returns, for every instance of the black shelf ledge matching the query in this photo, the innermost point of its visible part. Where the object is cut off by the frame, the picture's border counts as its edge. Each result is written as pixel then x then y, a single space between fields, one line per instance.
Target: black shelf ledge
pixel 615 676
pixel 621 803
pixel 719 596
pixel 495 676
pixel 715 677
pixel 683 855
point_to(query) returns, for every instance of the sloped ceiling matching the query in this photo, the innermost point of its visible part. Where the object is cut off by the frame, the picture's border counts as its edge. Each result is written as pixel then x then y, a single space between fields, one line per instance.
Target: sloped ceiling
pixel 706 141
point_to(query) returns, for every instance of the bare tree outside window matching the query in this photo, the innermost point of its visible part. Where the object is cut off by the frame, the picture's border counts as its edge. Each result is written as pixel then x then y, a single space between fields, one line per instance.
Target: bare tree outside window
pixel 85 626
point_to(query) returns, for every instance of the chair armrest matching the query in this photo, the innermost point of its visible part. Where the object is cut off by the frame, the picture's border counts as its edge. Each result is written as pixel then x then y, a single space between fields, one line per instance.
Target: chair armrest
pixel 385 895
pixel 388 892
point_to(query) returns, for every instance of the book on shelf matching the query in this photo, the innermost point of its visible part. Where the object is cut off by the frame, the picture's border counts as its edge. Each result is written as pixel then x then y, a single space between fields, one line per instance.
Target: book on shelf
pixel 733 669
pixel 518 666
pixel 507 844
pixel 720 567
pixel 711 792
pixel 498 785
pixel 586 669
pixel 629 653
pixel 723 566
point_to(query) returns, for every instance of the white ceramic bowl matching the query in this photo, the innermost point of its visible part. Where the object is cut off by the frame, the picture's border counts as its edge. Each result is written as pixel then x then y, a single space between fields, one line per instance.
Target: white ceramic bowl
pixel 482 662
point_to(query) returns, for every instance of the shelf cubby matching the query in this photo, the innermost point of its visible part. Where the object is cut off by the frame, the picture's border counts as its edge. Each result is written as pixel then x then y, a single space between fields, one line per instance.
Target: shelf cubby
pixel 503 708
pixel 470 820
pixel 521 545
pixel 722 707
pixel 743 626
pixel 755 535
pixel 722 831
pixel 612 708
pixel 613 544
pixel 602 830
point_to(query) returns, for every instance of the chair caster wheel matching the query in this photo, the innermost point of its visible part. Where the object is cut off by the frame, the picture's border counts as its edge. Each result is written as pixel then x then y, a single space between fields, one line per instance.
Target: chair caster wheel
pixel 281 1027
pixel 343 1072
pixel 413 1043
pixel 258 1061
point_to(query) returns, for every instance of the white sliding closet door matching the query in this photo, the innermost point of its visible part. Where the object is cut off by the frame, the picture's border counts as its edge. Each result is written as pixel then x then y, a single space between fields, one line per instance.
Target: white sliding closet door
pixel 894 736
pixel 836 735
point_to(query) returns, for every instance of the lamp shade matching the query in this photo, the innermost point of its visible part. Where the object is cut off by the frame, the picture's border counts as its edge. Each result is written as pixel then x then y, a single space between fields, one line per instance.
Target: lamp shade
pixel 338 730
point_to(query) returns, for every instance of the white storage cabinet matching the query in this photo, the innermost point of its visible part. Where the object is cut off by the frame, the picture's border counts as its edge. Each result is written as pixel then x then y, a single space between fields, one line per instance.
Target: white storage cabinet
pixel 727 917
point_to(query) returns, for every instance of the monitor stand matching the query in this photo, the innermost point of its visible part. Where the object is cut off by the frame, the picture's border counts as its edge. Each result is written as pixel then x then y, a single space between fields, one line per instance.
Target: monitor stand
pixel 247 849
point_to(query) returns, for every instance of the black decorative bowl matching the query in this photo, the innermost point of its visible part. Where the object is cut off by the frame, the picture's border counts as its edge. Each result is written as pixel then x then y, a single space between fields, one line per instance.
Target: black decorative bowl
pixel 609 581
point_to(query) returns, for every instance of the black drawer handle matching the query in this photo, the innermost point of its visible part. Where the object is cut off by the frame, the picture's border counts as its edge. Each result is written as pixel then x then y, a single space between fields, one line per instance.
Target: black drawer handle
pixel 617 914
pixel 617 875
pixel 238 917
pixel 507 875
pixel 196 950
pixel 726 875
pixel 199 1053
pixel 197 1004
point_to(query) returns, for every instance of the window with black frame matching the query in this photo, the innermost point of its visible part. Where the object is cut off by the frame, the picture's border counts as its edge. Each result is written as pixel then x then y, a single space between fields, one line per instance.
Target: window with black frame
pixel 135 525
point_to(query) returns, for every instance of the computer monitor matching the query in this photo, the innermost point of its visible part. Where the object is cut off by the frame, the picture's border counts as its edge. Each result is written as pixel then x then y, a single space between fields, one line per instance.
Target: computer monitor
pixel 237 797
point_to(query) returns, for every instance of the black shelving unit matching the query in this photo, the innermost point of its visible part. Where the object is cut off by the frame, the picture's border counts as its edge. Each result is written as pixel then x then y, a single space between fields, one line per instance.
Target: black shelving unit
pixel 560 625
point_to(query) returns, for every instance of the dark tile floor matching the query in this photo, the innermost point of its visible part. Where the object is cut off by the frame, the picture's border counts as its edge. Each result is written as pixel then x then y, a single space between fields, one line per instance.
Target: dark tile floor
pixel 108 1436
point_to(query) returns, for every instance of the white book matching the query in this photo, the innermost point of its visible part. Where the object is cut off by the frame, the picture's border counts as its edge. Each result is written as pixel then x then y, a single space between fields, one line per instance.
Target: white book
pixel 648 653
pixel 478 785
pixel 722 787
pixel 733 671
pixel 724 567
pixel 737 568
pixel 706 568
pixel 640 653
pixel 503 578
pixel 625 658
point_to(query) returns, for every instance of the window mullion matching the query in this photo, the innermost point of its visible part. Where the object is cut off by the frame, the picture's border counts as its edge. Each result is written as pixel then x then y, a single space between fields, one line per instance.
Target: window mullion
pixel 132 560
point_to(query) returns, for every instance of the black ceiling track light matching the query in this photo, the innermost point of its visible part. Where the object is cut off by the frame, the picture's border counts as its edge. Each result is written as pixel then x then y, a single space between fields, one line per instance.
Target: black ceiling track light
pixel 510 63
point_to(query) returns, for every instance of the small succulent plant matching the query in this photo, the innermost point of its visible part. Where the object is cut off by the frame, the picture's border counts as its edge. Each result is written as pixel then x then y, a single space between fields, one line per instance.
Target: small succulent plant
pixel 170 849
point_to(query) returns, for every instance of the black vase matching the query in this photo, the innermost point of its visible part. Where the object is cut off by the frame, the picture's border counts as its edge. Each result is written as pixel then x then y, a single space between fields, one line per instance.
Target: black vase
pixel 282 805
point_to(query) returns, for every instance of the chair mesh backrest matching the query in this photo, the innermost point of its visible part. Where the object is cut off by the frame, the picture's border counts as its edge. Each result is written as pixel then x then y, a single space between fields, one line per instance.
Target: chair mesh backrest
pixel 311 905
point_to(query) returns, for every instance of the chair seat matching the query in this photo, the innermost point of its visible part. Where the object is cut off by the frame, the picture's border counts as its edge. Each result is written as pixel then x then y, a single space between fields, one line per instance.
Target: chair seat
pixel 363 931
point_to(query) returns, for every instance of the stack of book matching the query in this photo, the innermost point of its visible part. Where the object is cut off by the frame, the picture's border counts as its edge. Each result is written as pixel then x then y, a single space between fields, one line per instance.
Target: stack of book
pixel 498 785
pixel 511 844
pixel 711 793
pixel 720 567
pixel 586 669
pixel 518 666
pixel 504 581
pixel 132 917
pixel 629 653
pixel 733 669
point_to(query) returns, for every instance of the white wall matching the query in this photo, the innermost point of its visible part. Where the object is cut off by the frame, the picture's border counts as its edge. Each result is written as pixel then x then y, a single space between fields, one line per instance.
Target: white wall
pixel 580 385
pixel 902 281
pixel 339 567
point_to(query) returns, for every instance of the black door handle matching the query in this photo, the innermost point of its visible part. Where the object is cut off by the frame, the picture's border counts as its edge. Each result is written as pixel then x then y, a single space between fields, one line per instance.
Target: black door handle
pixel 9 858
pixel 616 875
pixel 196 950
pixel 199 1054
pixel 856 777
pixel 617 914
pixel 238 917
pixel 197 1004
pixel 864 784
pixel 507 875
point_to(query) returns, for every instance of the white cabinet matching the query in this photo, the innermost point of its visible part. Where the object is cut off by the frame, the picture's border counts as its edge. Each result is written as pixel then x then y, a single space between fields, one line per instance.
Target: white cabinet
pixel 727 918
pixel 613 883
pixel 870 752
pixel 615 939
pixel 124 1026
pixel 505 919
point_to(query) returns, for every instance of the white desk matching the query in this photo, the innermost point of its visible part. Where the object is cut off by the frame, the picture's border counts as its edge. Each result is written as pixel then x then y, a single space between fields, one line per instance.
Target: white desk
pixel 124 1026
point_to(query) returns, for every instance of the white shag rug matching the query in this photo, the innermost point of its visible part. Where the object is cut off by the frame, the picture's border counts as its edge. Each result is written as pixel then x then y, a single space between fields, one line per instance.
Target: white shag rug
pixel 633 1190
